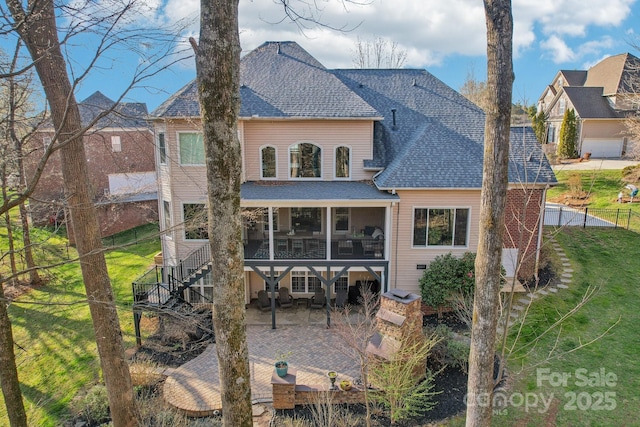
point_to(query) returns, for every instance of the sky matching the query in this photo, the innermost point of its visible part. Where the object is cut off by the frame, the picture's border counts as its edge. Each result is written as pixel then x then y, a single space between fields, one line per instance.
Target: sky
pixel 447 38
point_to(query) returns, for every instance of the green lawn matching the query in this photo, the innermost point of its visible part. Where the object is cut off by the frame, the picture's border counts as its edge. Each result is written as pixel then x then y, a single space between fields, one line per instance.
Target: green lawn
pixel 603 187
pixel 55 347
pixel 597 385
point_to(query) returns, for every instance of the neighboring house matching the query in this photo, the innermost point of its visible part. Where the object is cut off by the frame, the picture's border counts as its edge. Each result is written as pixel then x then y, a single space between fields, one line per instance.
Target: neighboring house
pixel 349 176
pixel 120 156
pixel 602 98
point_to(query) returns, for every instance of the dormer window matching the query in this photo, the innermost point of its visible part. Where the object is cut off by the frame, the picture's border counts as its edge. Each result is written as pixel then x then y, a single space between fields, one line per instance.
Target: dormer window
pixel 305 161
pixel 268 162
pixel 343 162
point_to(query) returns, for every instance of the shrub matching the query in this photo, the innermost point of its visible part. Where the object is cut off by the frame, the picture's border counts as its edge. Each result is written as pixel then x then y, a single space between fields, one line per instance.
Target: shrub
pixel 93 407
pixel 568 136
pixel 448 275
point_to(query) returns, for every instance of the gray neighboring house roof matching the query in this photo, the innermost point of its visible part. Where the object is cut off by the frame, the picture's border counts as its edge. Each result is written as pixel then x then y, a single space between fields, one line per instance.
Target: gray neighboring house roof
pixel 589 103
pixel 124 115
pixel 574 77
pixel 131 115
pixel 426 135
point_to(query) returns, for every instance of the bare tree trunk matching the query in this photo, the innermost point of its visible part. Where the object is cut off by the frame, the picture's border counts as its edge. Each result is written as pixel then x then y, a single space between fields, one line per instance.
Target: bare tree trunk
pixel 39 32
pixel 492 206
pixel 8 370
pixel 218 74
pixel 34 276
pixel 7 220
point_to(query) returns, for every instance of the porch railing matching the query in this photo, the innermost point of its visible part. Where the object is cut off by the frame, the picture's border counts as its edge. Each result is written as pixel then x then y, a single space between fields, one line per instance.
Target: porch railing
pixel 299 248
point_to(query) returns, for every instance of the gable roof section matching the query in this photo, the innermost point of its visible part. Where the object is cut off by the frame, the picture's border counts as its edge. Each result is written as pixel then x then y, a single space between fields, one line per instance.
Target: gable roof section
pixel 278 79
pixel 612 73
pixel 574 77
pixel 589 103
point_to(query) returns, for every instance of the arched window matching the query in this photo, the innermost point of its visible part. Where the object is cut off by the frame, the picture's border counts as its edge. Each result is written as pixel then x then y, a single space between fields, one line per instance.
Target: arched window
pixel 342 162
pixel 305 161
pixel 268 162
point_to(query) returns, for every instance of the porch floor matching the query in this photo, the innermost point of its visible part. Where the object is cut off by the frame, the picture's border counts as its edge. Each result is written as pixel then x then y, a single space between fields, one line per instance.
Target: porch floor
pixel 195 387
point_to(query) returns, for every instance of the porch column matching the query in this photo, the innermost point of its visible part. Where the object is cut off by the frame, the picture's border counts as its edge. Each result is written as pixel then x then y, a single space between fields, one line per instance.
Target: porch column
pixel 271 247
pixel 327 227
pixel 387 231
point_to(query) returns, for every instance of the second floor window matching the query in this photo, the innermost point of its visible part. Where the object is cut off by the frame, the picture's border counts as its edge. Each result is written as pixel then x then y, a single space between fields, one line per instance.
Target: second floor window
pixel 162 148
pixel 191 146
pixel 305 161
pixel 268 162
pixel 195 221
pixel 342 162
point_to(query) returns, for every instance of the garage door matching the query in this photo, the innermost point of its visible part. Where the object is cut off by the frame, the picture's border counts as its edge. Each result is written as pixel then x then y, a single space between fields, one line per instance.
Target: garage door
pixel 602 147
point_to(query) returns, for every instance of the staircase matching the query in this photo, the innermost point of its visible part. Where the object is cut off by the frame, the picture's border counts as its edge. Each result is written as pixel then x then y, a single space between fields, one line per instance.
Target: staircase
pixel 165 286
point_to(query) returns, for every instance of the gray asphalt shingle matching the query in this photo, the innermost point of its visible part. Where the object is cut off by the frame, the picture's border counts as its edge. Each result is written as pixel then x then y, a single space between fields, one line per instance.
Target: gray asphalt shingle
pixel 426 135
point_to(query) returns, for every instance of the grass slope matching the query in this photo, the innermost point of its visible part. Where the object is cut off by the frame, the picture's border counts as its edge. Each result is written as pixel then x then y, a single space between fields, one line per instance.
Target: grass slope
pixel 55 346
pixel 609 262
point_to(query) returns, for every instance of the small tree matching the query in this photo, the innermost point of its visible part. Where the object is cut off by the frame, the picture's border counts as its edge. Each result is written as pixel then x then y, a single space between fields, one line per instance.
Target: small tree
pixel 539 125
pixel 446 276
pixel 568 136
pixel 400 390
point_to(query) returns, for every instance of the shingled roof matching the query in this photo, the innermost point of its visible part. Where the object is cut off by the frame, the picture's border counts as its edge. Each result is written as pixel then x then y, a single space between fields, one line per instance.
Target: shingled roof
pixel 124 114
pixel 426 135
pixel 589 103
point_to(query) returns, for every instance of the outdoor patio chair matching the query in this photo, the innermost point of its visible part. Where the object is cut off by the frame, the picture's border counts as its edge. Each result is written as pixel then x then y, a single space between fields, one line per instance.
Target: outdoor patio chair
pixel 318 300
pixel 264 303
pixel 341 299
pixel 285 299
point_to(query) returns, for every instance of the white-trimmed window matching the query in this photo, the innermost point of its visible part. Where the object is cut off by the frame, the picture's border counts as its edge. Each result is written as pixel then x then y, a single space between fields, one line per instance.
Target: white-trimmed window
pixel 304 282
pixel 166 205
pixel 274 217
pixel 562 105
pixel 340 220
pixel 266 285
pixel 342 162
pixel 195 221
pixel 162 148
pixel 306 219
pixel 305 160
pixel 443 227
pixel 191 148
pixel 116 144
pixel 268 165
pixel 341 284
pixel 201 292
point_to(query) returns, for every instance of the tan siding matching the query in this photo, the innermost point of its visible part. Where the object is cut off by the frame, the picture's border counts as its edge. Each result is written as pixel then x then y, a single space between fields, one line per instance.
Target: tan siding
pixel 601 129
pixel 326 134
pixel 404 274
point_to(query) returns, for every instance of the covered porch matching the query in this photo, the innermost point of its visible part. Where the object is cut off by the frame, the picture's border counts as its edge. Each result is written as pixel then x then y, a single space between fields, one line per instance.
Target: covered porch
pixel 316 221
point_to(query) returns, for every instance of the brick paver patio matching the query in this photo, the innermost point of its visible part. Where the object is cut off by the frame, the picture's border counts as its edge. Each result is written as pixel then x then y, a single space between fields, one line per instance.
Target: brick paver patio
pixel 194 387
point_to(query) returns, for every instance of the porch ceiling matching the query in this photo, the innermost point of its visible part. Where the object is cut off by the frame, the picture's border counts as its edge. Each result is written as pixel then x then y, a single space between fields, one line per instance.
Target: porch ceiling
pixel 294 191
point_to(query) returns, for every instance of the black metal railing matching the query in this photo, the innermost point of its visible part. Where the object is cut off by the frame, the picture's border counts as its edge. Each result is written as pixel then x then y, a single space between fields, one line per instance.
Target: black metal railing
pixel 563 216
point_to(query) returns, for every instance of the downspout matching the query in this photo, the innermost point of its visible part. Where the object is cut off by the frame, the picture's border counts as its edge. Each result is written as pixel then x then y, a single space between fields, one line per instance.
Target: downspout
pixel 395 258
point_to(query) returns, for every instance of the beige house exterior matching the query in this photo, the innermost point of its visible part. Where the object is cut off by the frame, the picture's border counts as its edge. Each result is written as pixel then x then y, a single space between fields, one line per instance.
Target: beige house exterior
pixel 351 177
pixel 603 98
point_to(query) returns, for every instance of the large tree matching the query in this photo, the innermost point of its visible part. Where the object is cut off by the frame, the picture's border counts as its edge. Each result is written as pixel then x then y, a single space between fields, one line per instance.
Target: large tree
pixel 492 207
pixel 218 77
pixel 36 26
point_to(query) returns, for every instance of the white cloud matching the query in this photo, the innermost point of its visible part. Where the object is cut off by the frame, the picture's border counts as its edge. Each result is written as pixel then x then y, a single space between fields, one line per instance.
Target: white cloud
pixel 558 51
pixel 429 30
